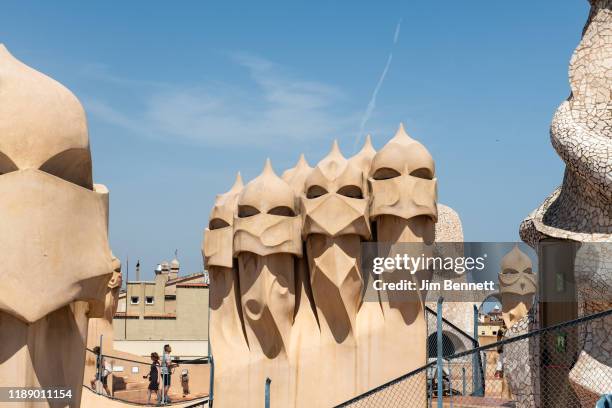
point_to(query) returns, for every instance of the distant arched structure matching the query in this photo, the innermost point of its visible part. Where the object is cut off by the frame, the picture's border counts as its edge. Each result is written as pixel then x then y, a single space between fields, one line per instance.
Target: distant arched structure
pixel 493 297
pixel 451 344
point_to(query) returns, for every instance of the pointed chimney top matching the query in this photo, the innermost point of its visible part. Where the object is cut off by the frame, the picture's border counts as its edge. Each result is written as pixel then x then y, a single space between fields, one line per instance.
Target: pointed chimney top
pixel 401 136
pixel 268 169
pixel 335 147
pixel 295 176
pixel 238 183
pixel 363 158
pixel 267 189
pixel 334 153
pixel 302 162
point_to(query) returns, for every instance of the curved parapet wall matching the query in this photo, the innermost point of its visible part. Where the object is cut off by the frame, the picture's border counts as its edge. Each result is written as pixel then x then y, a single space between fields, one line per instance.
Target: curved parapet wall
pixel 93 400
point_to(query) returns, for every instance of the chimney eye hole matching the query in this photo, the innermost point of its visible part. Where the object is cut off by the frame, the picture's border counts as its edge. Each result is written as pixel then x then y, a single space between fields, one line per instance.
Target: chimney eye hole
pixel 315 191
pixel 351 191
pixel 217 223
pixel 385 173
pixel 245 211
pixel 283 211
pixel 6 164
pixel 72 165
pixel 423 173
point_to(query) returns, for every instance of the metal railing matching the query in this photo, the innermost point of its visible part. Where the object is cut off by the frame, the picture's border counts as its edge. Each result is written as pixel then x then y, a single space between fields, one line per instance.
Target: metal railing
pixel 138 382
pixel 546 367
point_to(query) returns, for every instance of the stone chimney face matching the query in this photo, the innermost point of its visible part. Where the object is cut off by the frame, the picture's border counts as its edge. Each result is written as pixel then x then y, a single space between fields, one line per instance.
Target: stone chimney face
pixel 54 219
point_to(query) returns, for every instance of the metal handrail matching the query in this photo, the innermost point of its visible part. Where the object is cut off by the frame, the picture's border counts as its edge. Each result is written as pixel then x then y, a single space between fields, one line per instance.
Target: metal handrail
pixel 533 333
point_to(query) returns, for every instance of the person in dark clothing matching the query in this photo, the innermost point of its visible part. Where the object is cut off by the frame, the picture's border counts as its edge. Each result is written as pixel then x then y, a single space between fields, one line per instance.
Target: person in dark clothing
pixel 102 372
pixel 153 377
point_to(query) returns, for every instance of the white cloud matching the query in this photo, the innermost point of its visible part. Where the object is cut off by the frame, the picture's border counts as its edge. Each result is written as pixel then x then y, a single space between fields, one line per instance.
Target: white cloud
pixel 274 105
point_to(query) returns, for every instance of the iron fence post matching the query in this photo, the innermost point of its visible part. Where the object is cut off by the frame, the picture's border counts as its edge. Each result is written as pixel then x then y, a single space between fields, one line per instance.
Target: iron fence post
pixel 477 388
pixel 267 393
pixel 430 396
pixel 439 366
pixel 463 378
pixel 483 379
pixel 211 360
pixel 99 373
pixel 211 391
pixel 450 382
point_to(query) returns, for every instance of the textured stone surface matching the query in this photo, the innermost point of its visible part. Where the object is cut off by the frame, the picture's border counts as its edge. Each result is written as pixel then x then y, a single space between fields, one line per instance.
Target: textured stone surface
pixel 581 208
pixel 581 133
pixel 593 275
pixel 448 227
pixel 520 367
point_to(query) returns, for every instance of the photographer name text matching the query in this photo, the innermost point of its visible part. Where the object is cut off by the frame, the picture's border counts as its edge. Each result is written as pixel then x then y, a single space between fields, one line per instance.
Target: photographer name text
pixel 447 284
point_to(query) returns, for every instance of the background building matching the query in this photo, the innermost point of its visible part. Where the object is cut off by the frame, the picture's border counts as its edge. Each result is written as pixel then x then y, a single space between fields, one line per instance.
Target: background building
pixel 169 309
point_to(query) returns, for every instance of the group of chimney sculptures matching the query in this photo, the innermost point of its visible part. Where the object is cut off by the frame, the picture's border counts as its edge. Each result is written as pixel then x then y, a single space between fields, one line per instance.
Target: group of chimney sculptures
pixel 287 285
pixel 283 253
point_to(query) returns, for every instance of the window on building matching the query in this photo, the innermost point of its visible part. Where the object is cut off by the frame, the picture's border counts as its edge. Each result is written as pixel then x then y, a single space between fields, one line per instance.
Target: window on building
pixel 134 300
pixel 149 300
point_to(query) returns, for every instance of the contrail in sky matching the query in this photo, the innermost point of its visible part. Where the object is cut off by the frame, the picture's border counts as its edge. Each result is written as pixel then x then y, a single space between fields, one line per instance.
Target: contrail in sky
pixel 372 103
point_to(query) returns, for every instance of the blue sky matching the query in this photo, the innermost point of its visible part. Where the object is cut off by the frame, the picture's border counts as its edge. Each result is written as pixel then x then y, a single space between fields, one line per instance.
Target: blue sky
pixel 181 95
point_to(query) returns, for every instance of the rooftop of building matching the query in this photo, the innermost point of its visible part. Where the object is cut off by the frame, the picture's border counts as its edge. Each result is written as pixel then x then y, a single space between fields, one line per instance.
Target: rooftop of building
pixel 181 281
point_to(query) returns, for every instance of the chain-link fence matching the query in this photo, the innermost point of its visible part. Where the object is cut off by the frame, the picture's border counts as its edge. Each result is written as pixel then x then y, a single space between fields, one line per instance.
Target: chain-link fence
pixel 141 382
pixel 565 365
pixel 454 339
pixel 462 375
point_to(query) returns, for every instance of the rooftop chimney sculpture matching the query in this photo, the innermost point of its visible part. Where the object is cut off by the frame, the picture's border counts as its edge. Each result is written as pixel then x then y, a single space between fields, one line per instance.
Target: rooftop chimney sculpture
pixel 54 232
pixel 517 289
pixel 580 210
